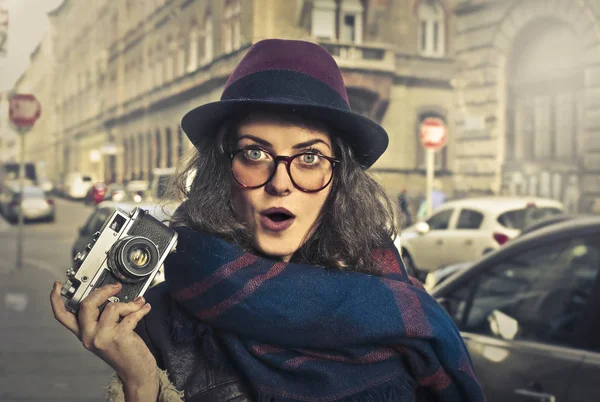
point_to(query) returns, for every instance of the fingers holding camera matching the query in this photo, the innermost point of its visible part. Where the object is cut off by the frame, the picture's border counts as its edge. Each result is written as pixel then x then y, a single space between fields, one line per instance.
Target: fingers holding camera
pixel 89 312
pixel 114 312
pixel 62 315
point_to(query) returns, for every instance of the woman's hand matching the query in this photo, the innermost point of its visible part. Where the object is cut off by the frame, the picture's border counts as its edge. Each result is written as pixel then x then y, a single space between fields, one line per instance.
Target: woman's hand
pixel 111 337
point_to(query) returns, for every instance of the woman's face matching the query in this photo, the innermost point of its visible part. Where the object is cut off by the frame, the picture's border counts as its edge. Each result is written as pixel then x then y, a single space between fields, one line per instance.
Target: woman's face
pixel 281 216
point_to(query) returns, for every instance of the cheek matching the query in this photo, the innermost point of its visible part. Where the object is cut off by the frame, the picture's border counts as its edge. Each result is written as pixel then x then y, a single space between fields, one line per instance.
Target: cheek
pixel 242 204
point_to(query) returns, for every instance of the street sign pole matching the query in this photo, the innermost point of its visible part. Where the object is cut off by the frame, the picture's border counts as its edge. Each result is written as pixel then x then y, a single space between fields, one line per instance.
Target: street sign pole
pixel 24 110
pixel 433 134
pixel 21 189
pixel 430 173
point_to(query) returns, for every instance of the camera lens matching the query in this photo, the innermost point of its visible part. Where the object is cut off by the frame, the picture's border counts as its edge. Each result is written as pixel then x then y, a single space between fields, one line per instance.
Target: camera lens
pixel 139 257
pixel 133 258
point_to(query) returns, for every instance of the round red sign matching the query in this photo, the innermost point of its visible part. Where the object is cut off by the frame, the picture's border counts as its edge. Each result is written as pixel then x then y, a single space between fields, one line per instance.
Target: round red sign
pixel 24 110
pixel 433 133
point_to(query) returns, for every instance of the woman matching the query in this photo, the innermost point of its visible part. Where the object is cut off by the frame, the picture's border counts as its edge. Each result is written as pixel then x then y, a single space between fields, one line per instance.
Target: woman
pixel 285 285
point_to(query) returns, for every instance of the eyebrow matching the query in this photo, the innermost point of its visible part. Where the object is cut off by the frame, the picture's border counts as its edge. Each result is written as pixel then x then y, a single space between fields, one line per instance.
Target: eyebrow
pixel 297 146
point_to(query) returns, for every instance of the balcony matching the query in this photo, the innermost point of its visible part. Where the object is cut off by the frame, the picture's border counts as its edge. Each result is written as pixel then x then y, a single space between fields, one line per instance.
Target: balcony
pixel 361 57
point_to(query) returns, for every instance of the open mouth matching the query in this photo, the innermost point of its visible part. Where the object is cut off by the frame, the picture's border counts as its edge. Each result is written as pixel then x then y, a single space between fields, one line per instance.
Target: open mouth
pixel 277 219
pixel 278 216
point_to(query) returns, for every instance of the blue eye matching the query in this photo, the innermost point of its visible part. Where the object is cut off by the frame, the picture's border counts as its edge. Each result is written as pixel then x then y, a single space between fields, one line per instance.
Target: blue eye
pixel 253 154
pixel 310 158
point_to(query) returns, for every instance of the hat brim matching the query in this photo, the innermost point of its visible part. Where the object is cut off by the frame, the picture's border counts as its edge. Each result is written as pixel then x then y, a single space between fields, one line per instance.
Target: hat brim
pixel 367 138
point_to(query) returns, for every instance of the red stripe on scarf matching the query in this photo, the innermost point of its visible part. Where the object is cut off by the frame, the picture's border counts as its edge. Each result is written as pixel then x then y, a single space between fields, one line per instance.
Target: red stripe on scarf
pixel 220 274
pixel 260 350
pixel 438 381
pixel 388 262
pixel 415 320
pixel 375 356
pixel 241 294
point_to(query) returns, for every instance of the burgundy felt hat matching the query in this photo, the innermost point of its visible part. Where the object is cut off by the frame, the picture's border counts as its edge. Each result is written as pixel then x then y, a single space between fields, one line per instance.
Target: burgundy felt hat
pixel 293 76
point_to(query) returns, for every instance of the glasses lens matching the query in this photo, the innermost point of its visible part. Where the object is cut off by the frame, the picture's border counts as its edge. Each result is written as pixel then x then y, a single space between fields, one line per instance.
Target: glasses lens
pixel 252 167
pixel 311 172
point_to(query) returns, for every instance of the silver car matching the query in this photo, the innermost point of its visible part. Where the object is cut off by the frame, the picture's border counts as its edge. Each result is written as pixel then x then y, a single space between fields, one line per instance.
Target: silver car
pixel 36 204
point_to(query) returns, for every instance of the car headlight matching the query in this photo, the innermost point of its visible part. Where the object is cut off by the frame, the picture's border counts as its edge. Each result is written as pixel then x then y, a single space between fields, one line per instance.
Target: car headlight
pixel 430 282
pixel 408 235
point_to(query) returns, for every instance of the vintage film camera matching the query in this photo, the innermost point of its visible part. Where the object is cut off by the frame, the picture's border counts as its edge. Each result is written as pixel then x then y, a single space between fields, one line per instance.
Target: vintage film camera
pixel 129 248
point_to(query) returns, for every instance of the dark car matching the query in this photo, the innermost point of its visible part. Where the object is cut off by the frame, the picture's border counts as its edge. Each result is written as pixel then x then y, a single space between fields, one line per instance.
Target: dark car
pixel 529 313
pixel 435 278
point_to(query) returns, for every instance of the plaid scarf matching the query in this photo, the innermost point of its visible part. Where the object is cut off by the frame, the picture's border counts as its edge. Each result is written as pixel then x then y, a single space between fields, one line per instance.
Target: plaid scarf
pixel 305 333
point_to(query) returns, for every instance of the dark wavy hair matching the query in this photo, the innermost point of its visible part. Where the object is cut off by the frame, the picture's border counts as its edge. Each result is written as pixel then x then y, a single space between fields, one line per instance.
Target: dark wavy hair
pixel 357 218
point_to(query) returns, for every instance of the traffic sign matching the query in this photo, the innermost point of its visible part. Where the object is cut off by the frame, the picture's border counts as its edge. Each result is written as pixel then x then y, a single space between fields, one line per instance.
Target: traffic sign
pixel 433 133
pixel 24 110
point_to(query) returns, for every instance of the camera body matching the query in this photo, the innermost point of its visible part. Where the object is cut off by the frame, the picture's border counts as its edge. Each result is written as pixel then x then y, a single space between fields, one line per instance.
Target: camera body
pixel 129 248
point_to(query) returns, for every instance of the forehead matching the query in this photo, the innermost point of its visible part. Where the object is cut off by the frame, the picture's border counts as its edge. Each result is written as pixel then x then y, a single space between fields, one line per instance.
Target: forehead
pixel 282 130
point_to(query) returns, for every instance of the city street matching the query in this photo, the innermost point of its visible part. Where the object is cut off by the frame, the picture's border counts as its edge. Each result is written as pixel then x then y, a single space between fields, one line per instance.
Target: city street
pixel 39 359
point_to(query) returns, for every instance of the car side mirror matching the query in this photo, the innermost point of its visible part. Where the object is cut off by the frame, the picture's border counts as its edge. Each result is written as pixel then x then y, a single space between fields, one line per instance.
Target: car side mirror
pixel 422 227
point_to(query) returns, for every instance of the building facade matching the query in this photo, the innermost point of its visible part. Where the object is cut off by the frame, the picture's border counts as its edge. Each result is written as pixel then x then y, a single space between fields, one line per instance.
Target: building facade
pixel 125 72
pixel 528 99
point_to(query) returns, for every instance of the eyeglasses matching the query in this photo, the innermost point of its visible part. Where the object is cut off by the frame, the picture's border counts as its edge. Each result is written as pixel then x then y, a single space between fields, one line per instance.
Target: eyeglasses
pixel 254 167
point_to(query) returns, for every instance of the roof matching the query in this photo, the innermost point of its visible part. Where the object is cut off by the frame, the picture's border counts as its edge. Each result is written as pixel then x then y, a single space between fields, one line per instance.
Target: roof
pixel 500 204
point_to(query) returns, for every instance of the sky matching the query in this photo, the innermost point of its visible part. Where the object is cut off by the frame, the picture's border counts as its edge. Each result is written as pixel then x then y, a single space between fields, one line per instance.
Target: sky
pixel 27 24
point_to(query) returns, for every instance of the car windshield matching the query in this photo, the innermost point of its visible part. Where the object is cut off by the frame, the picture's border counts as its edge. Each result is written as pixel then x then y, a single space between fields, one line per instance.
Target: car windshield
pixel 521 218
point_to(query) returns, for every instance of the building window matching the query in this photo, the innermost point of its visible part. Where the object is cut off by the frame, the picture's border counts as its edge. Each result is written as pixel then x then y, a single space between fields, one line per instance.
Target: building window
pixel 169 149
pixel 323 19
pixel 350 25
pixel 170 59
pixel 441 157
pixel 208 38
pixel 347 27
pixel 193 48
pixel 432 28
pixel 179 143
pixel 544 95
pixel 158 148
pixel 180 63
pixel 231 26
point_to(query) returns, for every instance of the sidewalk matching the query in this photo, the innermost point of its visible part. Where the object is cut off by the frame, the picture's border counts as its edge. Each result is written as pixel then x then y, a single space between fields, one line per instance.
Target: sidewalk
pixel 39 359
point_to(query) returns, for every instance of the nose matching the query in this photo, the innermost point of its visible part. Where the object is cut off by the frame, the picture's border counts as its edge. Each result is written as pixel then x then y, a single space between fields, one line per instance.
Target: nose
pixel 280 183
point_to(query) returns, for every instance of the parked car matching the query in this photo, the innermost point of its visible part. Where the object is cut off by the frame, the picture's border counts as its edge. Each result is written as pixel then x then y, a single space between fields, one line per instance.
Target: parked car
pixel 529 314
pixel 77 184
pixel 95 194
pixel 36 204
pixel 137 186
pixel 115 192
pixel 464 230
pixel 102 211
pixel 435 278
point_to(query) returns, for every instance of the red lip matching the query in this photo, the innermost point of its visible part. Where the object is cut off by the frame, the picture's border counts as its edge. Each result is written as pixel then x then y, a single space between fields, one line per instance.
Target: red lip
pixel 276 226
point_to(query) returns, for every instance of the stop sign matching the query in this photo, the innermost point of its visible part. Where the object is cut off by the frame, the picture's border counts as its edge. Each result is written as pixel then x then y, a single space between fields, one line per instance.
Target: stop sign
pixel 433 133
pixel 24 110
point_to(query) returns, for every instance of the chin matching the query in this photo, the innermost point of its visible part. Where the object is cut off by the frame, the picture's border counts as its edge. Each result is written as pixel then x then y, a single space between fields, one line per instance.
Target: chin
pixel 276 248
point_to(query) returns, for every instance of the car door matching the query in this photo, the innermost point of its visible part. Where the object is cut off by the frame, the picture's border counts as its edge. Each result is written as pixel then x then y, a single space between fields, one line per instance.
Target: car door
pixel 466 242
pixel 518 318
pixel 428 249
pixel 585 385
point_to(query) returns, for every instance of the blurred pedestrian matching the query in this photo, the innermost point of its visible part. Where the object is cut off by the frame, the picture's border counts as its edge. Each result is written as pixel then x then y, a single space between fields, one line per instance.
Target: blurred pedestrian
pixel 285 285
pixel 405 215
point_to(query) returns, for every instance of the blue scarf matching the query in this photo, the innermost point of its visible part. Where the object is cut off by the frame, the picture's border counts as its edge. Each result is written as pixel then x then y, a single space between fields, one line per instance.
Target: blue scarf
pixel 305 333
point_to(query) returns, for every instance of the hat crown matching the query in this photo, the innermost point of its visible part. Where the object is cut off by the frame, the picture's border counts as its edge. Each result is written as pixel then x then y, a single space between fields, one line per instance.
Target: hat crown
pixel 291 55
